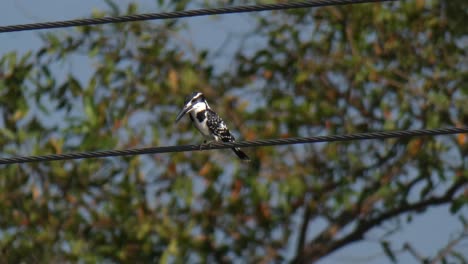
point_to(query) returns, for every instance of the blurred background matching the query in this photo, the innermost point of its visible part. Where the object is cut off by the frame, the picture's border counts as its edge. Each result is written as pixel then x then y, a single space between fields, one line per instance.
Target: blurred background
pixel 304 72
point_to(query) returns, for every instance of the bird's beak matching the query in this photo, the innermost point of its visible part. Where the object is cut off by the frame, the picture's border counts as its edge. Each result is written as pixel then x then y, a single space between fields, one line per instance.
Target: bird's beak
pixel 182 112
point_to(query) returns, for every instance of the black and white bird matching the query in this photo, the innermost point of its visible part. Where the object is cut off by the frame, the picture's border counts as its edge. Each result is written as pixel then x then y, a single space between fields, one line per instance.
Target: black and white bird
pixel 208 122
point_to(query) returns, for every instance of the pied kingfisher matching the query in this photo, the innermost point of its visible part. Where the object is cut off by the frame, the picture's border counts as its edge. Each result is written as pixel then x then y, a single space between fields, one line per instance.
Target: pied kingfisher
pixel 208 122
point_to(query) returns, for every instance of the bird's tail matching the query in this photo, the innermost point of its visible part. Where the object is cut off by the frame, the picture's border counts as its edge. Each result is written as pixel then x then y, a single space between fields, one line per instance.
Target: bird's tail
pixel 241 154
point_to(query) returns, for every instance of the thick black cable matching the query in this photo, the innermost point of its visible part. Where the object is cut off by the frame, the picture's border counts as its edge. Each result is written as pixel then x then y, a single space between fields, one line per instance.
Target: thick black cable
pixel 181 14
pixel 245 144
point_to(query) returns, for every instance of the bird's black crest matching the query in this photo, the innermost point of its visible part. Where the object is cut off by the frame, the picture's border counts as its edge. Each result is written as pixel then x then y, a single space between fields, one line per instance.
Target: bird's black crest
pixel 194 94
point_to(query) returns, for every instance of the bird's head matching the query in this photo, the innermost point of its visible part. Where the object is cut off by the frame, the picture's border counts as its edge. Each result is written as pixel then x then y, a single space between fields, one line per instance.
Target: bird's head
pixel 192 102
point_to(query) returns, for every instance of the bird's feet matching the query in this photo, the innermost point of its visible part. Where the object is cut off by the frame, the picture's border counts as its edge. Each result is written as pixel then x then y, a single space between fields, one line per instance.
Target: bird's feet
pixel 206 144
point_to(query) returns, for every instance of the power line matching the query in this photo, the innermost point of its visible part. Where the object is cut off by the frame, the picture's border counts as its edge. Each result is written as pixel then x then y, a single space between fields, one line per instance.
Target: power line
pixel 245 144
pixel 182 14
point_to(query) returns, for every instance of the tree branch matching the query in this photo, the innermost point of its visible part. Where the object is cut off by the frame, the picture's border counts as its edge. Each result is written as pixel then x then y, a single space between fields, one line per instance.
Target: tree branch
pixel 317 248
pixel 442 254
pixel 415 253
pixel 302 234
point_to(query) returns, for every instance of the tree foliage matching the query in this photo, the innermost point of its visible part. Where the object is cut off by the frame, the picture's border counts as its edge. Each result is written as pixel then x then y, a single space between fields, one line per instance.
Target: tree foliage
pixel 333 70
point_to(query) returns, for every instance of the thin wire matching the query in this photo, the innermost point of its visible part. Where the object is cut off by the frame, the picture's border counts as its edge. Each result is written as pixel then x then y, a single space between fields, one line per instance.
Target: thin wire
pixel 245 144
pixel 181 14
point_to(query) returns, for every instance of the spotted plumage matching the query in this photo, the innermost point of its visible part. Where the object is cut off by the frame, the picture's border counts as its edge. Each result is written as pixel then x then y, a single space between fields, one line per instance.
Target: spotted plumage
pixel 210 125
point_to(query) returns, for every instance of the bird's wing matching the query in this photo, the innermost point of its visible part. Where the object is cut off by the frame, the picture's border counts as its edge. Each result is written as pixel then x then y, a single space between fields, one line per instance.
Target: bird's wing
pixel 218 127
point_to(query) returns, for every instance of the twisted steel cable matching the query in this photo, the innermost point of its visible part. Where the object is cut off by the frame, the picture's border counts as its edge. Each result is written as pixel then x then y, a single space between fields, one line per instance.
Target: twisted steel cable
pixel 245 144
pixel 181 14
